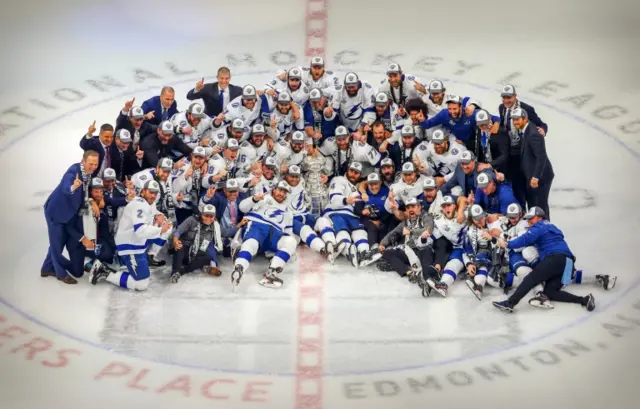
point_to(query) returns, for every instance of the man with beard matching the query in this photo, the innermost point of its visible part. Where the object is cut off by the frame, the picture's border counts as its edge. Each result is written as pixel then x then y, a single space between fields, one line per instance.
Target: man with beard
pixel 373 215
pixel 355 101
pixel 510 102
pixel 163 144
pixel 342 152
pixel 269 222
pixel 188 184
pixel 399 86
pixel 292 153
pixel 415 109
pixel 388 172
pixel 431 197
pixel 439 157
pixel 285 118
pixel 219 138
pixel 132 119
pixel 410 186
pixel 255 150
pixel 291 83
pixel 227 204
pixel 320 119
pixel 436 99
pixel 116 196
pixel 268 180
pixel 224 166
pixel 317 77
pixel 389 114
pixel 247 107
pixel 493 196
pixel 406 149
pixel 193 126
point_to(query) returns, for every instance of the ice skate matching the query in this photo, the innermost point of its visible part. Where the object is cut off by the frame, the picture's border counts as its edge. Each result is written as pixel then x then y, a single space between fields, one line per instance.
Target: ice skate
pixel 353 255
pixel 541 301
pixel 607 281
pixel 236 275
pixel 440 287
pixel 332 254
pixel 475 289
pixel 155 263
pixel 212 270
pixel 426 289
pixel 271 279
pixel 369 257
pixel 589 302
pixel 175 277
pixel 98 272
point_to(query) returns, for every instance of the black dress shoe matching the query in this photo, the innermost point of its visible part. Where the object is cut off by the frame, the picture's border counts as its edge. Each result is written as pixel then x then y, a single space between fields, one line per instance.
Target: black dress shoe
pixel 47 274
pixel 68 280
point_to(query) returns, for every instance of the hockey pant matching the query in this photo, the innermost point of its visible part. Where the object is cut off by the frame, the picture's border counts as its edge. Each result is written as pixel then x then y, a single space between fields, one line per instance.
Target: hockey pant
pixel 483 263
pixel 103 252
pixel 401 262
pixel 344 231
pixel 260 237
pixel 136 277
pixel 306 226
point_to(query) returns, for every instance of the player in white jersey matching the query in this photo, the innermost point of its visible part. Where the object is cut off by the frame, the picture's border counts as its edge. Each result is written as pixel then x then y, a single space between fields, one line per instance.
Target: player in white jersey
pixel 225 166
pixel 292 153
pixel 252 107
pixel 305 224
pixel 285 118
pixel 317 77
pixel 347 234
pixel 268 179
pixel 431 197
pixel 436 99
pixel 409 186
pixel 139 226
pixel 439 157
pixel 187 184
pixel 355 102
pixel 342 152
pixel 389 115
pixel 400 86
pixel 268 228
pixel 290 82
pixel 193 126
pixel 219 137
pixel 252 151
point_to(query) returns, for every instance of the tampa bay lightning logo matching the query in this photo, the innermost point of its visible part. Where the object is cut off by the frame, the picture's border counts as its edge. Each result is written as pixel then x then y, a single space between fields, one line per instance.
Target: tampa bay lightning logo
pixel 277 216
pixel 454 151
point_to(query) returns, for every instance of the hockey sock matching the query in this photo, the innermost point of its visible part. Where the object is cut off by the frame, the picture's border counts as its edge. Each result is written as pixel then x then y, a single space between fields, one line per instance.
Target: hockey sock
pixel 122 279
pixel 311 239
pixel 580 278
pixel 361 240
pixel 448 277
pixel 328 235
pixel 481 277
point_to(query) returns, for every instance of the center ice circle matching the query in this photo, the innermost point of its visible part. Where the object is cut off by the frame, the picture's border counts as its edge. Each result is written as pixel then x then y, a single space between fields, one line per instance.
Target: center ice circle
pixel 374 321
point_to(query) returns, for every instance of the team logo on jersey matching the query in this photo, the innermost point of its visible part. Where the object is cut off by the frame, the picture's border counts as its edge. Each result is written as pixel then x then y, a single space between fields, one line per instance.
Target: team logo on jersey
pixel 234 105
pixel 411 77
pixel 454 151
pixel 422 147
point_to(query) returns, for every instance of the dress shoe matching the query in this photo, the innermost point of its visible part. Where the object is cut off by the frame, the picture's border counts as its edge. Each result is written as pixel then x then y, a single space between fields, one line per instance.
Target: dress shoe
pixel 68 280
pixel 47 274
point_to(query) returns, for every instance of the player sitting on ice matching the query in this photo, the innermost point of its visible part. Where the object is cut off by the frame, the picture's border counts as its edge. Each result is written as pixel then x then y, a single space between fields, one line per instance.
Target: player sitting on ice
pixel 268 224
pixel 305 224
pixel 351 237
pixel 140 226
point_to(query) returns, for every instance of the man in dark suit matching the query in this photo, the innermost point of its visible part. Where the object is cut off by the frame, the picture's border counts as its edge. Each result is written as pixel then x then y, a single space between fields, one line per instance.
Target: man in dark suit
pixel 161 107
pixel 494 146
pixel 535 163
pixel 103 144
pixel 510 102
pixel 216 96
pixel 162 144
pixel 464 177
pixel 61 210
pixel 133 119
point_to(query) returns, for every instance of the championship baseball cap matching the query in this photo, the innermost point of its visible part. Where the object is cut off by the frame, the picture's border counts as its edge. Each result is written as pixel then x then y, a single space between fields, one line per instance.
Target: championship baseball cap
pixel 474 102
pixel 233 144
pixel 196 110
pixel 270 162
pixel 109 174
pixel 533 212
pixel 408 131
pixel 317 62
pixel 258 129
pixel 482 117
pixel 513 210
pixel 436 86
pixel 438 137
pixel 209 209
pixel 447 200
pixel 429 183
pixel 357 166
pixel 341 132
pixel 249 92
pixel 297 137
pixel 199 151
pixel 124 135
pixel 373 178
pixel 508 91
pixel 232 185
pixel 519 113
pixel 165 164
pixel 394 68
pixel 483 180
pixel 294 73
pixel 453 99
pixel 283 185
pixel 294 170
pixel 315 95
pixel 351 79
pixel 382 98
pixel 96 183
pixel 467 157
pixel 136 113
pixel 284 98
pixel 387 162
pixel 152 186
pixel 166 127
pixel 477 212
pixel 408 167
pixel 411 201
pixel 237 124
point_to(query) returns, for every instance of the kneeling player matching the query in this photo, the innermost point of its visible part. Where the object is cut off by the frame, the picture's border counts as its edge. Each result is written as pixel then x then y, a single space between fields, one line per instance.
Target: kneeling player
pixel 139 227
pixel 269 221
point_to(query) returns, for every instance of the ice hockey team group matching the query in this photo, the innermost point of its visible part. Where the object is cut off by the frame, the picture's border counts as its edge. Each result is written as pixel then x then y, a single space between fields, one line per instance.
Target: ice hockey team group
pixel 401 175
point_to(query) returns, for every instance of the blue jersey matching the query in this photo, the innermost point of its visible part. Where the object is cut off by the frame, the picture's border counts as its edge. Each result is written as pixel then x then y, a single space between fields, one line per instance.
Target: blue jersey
pixel 547 238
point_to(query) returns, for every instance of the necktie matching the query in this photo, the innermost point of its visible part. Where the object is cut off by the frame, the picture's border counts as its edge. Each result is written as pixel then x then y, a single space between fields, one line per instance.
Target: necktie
pixel 165 115
pixel 507 120
pixel 232 212
pixel 107 158
pixel 120 174
pixel 221 99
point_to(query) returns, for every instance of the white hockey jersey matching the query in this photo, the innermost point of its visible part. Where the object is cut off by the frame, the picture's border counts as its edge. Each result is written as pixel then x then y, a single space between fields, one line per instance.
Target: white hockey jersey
pixel 404 191
pixel 298 200
pixel 474 243
pixel 190 187
pixel 216 164
pixel 406 90
pixel 393 122
pixel 136 231
pixel 285 124
pixel 265 185
pixel 510 231
pixel 268 212
pixel 198 133
pixel 357 110
pixel 361 152
pixel 299 96
pixel 250 117
pixel 339 190
pixel 249 154
pixel 450 229
pixel 166 199
pixel 439 165
pixel 326 83
pixel 283 153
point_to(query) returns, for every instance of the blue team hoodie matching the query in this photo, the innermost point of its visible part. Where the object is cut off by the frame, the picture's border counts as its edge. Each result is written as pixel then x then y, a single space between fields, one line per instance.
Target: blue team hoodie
pixel 546 237
pixel 462 128
pixel 498 201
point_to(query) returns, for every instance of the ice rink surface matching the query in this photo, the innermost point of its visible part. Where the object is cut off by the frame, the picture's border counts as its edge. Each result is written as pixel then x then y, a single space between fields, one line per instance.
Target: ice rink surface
pixel 333 336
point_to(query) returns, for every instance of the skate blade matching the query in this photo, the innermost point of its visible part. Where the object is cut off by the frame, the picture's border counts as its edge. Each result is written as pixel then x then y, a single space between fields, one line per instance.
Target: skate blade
pixel 433 286
pixel 612 282
pixel 269 284
pixel 425 292
pixel 371 260
pixel 545 306
pixel 470 286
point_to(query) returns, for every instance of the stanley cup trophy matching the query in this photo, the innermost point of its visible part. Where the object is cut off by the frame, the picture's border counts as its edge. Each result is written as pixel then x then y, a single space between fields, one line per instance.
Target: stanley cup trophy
pixel 313 166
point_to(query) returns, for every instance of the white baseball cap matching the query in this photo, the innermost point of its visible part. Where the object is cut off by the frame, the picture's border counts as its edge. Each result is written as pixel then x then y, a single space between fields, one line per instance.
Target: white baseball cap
pixel 96 183
pixel 483 180
pixel 513 210
pixel 124 135
pixel 477 212
pixel 209 209
pixel 429 183
pixel 232 144
pixel 136 113
pixel 317 61
pixel 533 212
pixel 453 99
pixel 357 166
pixel 341 132
pixel 199 151
pixel 447 200
pixel 482 117
pixel 382 98
pixel 283 185
pixel 508 91
pixel 165 164
pixel 196 110
pixel 438 137
pixel 297 137
pixel 237 124
pixel 411 201
pixel 315 95
pixel 152 186
pixel 109 174
pixel 166 127
pixel 294 73
pixel 258 129
pixel 394 68
pixel 232 185
pixel 519 113
pixel 387 162
pixel 351 79
pixel 408 130
pixel 249 92
pixel 436 86
pixel 294 170
pixel 270 162
pixel 373 178
pixel 408 167
pixel 284 98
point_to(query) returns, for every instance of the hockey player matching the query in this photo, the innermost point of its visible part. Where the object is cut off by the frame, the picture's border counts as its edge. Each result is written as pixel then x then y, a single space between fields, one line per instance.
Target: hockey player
pixel 188 184
pixel 193 126
pixel 317 77
pixel 373 215
pixel 388 172
pixel 342 152
pixel 116 197
pixel 268 180
pixel 269 222
pixel 320 118
pixel 140 226
pixel 252 151
pixel 219 137
pixel 292 153
pixel 252 107
pixel 406 149
pixel 439 157
pixel 224 166
pixel 347 234
pixel 431 197
pixel 291 83
pixel 355 100
pixel 409 186
pixel 389 114
pixel 285 118
pixel 436 99
pixel 305 224
pixel 492 195
pixel 399 86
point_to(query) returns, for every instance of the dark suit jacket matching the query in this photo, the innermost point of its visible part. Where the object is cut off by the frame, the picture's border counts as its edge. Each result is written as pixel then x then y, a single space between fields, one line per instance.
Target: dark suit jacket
pixel 500 145
pixel 154 150
pixel 460 179
pixel 62 205
pixel 95 145
pixel 531 112
pixel 210 94
pixel 147 128
pixel 534 159
pixel 153 104
pixel 220 202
